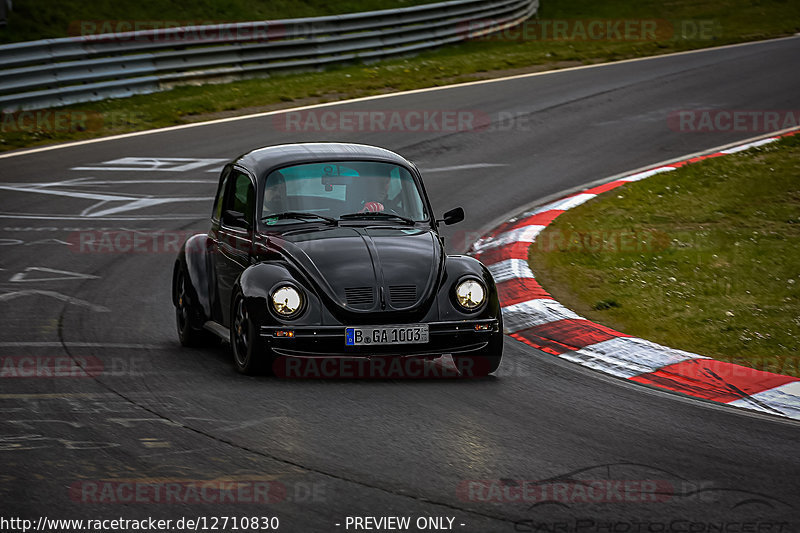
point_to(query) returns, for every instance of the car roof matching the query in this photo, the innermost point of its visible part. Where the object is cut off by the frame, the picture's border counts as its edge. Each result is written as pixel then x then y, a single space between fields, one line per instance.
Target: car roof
pixel 262 160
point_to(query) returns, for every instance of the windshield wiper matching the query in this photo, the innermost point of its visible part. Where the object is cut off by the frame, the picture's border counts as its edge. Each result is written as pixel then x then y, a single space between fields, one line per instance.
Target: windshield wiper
pixel 375 215
pixel 299 215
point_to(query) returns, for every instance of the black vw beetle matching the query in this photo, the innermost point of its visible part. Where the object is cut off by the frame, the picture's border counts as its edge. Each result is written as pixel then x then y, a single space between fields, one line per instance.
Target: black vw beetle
pixel 331 250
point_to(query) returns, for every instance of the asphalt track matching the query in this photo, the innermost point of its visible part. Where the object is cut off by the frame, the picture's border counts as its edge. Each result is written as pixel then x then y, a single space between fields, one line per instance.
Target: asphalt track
pixel 154 413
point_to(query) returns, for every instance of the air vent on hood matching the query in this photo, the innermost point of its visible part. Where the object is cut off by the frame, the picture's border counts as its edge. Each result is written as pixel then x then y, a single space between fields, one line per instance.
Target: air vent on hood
pixel 403 294
pixel 359 296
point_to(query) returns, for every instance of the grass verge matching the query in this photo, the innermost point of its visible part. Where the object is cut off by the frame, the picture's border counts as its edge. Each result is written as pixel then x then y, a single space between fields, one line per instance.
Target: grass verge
pixel 705 258
pixel 690 24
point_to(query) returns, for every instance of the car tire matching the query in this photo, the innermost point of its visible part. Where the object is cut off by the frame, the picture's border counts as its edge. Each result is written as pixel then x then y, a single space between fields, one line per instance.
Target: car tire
pixel 250 354
pixel 188 335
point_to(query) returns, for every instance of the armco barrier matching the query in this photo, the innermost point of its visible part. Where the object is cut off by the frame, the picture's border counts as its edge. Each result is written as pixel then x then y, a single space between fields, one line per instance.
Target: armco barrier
pixel 55 72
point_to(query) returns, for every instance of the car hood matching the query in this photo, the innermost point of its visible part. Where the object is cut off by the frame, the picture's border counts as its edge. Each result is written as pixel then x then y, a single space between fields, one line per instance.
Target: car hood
pixel 368 269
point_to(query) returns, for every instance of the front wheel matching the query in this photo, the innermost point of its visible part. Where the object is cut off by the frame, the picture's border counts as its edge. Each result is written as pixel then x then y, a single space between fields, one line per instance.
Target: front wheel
pixel 250 354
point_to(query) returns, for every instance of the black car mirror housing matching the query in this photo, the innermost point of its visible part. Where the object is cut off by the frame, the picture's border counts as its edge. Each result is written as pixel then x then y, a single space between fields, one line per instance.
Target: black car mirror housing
pixel 454 216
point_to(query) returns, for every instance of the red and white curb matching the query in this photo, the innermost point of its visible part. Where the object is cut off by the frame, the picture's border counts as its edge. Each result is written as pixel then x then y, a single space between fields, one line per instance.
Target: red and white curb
pixel 533 316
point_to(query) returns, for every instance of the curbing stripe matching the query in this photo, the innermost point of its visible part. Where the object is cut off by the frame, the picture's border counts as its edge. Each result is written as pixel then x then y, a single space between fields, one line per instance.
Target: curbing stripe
pixel 627 357
pixel 566 203
pixel 524 234
pixel 531 313
pixel 747 146
pixel 534 317
pixel 510 269
pixel 541 219
pixel 783 399
pixel 714 380
pixel 646 174
pixel 567 335
pixel 517 250
pixel 518 290
pixel 605 187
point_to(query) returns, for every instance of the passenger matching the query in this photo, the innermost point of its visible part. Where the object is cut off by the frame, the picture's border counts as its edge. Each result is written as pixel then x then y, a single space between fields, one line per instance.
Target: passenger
pixel 275 194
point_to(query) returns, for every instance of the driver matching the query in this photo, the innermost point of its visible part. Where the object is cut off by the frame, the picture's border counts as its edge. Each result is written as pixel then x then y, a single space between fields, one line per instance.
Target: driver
pixel 381 201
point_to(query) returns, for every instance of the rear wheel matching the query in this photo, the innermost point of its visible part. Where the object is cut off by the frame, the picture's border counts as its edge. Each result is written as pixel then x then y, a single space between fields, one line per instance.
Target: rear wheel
pixel 188 335
pixel 250 354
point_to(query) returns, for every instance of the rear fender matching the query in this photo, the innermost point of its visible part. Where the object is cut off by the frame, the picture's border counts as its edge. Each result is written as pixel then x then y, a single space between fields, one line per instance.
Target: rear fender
pixel 195 261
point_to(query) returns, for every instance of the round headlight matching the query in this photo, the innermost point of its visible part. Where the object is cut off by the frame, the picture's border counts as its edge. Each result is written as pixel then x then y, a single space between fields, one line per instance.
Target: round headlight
pixel 287 301
pixel 470 294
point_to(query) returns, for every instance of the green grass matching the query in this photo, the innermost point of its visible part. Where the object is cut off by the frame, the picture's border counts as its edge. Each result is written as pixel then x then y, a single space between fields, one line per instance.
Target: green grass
pixel 727 22
pixel 719 271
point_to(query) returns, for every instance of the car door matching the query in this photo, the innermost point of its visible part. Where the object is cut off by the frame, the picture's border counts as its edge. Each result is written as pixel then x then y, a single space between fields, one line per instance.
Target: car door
pixel 234 238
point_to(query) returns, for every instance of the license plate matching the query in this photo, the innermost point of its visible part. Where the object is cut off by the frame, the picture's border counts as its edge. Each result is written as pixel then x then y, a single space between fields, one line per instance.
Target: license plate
pixel 382 335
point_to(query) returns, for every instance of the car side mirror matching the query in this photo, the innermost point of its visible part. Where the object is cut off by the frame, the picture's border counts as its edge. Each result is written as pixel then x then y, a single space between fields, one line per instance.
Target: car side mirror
pixel 453 216
pixel 236 219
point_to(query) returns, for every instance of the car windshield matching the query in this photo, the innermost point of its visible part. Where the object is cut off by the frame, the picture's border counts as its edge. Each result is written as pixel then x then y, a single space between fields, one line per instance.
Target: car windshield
pixel 371 190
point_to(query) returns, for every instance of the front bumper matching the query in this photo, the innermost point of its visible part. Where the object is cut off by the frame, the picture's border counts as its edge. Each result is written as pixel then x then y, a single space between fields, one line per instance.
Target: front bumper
pixel 462 337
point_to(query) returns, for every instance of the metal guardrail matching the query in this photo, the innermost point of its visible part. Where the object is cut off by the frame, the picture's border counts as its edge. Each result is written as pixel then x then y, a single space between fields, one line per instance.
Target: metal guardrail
pixel 56 72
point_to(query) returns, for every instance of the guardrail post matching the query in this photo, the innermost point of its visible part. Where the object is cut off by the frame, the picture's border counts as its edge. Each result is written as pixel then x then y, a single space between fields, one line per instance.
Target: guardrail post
pixel 5 8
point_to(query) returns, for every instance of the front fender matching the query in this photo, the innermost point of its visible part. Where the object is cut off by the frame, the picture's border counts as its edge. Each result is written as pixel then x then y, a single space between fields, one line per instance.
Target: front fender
pixel 456 268
pixel 257 283
pixel 194 260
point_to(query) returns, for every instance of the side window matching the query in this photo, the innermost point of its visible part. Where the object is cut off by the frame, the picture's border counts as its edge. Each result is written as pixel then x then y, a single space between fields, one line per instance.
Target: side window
pixel 216 212
pixel 240 195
